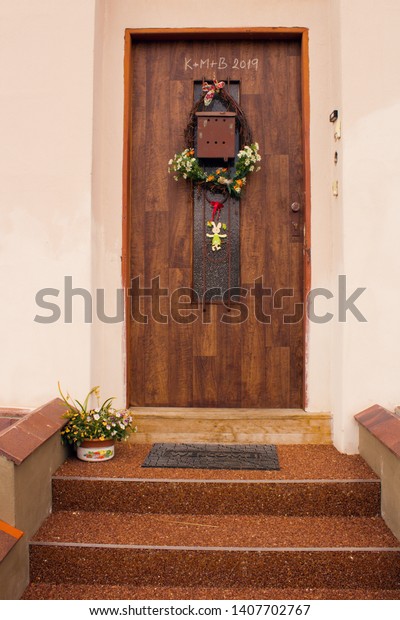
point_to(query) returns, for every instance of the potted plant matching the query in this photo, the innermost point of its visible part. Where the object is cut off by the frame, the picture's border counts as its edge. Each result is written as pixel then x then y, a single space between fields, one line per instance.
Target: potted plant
pixel 93 431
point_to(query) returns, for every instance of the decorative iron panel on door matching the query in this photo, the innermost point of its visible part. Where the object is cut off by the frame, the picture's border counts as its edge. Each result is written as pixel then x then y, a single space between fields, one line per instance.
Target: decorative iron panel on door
pixel 216 214
pixel 243 348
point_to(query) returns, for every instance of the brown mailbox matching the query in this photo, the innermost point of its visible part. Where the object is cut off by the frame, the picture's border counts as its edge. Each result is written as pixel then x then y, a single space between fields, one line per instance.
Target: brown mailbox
pixel 216 135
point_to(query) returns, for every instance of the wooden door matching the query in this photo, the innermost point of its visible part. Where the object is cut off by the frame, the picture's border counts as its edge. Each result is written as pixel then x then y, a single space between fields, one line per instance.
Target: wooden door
pixel 209 362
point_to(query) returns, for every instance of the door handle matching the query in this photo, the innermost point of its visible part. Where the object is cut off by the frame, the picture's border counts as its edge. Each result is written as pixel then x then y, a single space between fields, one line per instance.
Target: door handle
pixel 295 206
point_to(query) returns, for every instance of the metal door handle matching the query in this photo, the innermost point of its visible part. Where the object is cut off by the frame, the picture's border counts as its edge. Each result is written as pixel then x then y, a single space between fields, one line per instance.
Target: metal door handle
pixel 295 206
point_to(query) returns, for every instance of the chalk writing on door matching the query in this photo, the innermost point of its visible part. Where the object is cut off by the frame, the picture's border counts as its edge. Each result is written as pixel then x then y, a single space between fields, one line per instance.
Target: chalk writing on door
pixel 221 63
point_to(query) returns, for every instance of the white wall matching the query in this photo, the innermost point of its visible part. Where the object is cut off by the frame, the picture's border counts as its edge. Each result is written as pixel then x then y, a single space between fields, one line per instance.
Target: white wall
pixel 367 215
pixel 46 64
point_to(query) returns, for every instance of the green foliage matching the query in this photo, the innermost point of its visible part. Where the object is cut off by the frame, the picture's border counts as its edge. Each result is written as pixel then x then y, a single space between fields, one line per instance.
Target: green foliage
pixel 102 422
pixel 185 166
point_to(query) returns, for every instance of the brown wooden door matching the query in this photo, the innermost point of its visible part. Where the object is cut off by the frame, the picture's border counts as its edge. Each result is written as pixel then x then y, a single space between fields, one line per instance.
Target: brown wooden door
pixel 209 363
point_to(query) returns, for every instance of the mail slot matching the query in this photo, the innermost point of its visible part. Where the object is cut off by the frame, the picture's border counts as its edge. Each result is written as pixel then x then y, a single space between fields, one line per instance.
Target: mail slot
pixel 216 135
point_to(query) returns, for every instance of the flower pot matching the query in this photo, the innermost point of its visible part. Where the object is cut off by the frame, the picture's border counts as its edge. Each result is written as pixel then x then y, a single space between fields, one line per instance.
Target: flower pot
pixel 95 450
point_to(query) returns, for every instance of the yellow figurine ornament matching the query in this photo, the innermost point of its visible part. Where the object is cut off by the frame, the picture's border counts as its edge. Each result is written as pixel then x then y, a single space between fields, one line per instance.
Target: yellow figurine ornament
pixel 216 236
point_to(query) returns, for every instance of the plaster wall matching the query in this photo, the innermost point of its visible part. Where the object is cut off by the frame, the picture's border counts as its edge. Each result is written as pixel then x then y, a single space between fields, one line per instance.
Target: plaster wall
pixel 25 502
pixel 7 495
pixel 387 466
pixel 46 101
pixel 14 571
pixel 32 490
pixel 366 217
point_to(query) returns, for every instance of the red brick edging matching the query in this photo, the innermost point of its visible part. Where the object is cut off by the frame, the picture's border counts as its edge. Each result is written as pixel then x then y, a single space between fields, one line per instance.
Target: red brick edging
pixel 24 437
pixel 383 425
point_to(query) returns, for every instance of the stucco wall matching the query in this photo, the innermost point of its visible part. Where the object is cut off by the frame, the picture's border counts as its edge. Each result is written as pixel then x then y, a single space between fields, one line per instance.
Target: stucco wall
pixel 46 97
pixel 62 64
pixel 366 217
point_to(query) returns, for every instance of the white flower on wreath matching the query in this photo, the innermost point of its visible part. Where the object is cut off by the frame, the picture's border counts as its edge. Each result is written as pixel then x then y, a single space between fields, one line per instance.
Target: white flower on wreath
pixel 224 181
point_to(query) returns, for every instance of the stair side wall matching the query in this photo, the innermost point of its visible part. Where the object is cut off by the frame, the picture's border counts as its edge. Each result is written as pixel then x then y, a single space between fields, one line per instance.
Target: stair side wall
pixel 387 466
pixel 28 489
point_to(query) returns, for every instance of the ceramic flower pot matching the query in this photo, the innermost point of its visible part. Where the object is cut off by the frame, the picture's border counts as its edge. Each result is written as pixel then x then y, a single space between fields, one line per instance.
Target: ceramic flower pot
pixel 95 450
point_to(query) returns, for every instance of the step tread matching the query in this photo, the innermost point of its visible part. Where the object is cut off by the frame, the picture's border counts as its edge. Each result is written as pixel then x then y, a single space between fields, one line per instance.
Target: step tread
pixel 221 413
pixel 61 591
pixel 216 531
pixel 304 462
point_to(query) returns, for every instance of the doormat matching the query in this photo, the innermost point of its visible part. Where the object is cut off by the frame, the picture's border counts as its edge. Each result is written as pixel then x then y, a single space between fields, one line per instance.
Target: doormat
pixel 212 456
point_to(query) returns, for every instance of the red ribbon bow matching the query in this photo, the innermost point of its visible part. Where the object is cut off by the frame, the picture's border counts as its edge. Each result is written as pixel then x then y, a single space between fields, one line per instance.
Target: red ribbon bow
pixel 217 206
pixel 211 89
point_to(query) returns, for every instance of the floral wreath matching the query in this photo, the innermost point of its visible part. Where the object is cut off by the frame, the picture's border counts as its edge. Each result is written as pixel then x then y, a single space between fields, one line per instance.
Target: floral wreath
pixel 186 166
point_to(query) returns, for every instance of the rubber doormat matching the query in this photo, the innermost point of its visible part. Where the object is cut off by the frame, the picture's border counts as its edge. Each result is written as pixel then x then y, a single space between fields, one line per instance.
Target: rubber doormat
pixel 212 456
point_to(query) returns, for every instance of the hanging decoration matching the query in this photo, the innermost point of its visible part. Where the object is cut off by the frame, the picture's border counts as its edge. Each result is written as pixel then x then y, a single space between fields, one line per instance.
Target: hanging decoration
pixel 210 90
pixel 186 166
pixel 216 207
pixel 216 235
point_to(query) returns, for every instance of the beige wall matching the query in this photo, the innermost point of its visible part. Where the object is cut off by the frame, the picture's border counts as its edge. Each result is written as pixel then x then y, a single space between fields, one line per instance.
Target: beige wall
pixel 55 211
pixel 366 218
pixel 46 64
pixel 25 501
pixel 387 466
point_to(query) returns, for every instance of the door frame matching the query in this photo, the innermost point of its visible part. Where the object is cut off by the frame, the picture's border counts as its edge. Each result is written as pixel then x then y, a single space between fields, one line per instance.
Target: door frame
pixel 169 34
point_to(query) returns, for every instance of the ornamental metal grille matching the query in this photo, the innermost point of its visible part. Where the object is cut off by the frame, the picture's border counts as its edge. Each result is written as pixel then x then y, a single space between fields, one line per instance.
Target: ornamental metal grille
pixel 215 271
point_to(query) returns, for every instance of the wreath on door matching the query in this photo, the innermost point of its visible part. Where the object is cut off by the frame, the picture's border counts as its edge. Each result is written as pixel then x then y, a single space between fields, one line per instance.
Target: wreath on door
pixel 186 166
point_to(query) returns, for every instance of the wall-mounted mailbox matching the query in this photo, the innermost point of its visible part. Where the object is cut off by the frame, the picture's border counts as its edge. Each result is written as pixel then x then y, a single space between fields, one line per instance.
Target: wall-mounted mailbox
pixel 216 135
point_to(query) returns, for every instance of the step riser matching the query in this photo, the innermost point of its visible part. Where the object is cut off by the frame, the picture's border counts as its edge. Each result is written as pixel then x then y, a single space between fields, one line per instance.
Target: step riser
pixel 190 568
pixel 356 498
pixel 219 425
pixel 285 438
pixel 50 591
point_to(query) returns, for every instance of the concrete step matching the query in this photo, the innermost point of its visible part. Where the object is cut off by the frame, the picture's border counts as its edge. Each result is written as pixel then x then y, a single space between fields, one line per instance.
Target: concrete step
pixel 231 550
pixel 312 480
pixel 218 497
pixel 307 531
pixel 297 462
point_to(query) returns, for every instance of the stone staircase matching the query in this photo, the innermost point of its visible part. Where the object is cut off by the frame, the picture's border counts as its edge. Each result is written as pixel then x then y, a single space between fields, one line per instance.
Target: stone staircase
pixel 310 531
